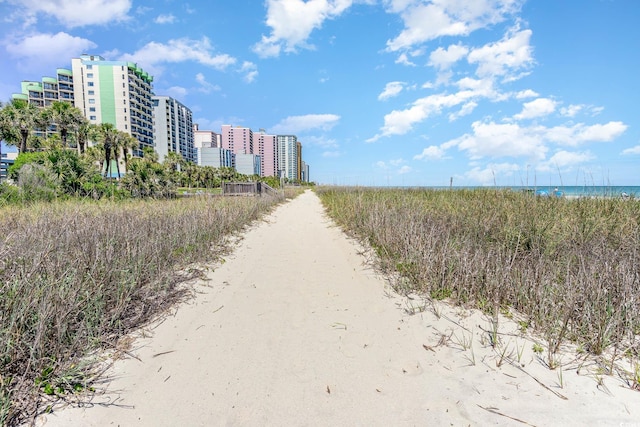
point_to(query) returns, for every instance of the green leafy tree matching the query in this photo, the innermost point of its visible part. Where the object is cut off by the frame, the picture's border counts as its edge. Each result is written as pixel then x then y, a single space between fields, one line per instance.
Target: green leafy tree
pixel 66 118
pixel 23 159
pixel 23 118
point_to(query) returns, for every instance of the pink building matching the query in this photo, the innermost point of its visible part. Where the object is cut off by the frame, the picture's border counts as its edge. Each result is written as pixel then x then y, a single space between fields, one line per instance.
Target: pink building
pixel 241 140
pixel 237 139
pixel 204 138
pixel 267 149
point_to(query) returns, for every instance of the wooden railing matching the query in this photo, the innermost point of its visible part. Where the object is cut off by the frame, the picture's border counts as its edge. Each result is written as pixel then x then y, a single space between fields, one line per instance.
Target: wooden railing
pixel 247 189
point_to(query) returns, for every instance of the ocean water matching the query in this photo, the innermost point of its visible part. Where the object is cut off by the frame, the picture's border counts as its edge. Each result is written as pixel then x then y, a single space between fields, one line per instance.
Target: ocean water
pixel 631 191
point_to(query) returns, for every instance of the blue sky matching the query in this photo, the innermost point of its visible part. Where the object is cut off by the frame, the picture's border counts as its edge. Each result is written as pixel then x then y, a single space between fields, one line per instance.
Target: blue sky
pixel 379 92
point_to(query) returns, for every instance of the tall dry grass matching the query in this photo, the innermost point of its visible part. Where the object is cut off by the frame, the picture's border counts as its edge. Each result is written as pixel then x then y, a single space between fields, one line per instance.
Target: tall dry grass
pixel 572 267
pixel 76 276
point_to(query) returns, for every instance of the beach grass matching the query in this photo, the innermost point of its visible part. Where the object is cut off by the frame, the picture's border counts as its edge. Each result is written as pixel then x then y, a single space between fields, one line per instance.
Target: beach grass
pixel 76 276
pixel 570 267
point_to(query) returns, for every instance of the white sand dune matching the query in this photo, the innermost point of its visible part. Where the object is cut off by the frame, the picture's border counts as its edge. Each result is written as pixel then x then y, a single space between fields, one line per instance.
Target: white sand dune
pixel 295 328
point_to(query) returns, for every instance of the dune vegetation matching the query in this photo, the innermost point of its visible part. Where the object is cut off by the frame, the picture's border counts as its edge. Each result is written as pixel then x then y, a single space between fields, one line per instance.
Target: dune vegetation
pixel 570 268
pixel 77 275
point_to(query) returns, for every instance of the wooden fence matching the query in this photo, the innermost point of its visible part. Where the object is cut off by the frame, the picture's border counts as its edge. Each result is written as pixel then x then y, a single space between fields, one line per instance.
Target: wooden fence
pixel 247 189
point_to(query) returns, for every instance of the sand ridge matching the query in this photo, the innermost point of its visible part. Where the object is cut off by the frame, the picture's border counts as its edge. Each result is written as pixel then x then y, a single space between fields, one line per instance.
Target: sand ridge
pixel 296 328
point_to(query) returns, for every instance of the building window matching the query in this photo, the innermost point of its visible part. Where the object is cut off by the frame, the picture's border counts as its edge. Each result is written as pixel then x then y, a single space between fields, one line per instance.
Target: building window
pixel 92 101
pixel 89 67
pixel 92 109
pixel 92 117
pixel 91 92
pixel 89 75
pixel 90 84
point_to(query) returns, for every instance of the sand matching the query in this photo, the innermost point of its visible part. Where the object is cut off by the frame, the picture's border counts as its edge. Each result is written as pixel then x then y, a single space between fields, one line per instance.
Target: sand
pixel 296 328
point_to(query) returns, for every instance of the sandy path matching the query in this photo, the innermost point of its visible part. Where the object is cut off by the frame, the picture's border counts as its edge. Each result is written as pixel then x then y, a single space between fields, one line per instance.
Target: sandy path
pixel 295 329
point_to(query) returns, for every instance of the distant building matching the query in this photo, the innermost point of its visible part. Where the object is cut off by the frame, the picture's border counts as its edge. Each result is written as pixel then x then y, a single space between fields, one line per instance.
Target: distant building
pixel 42 94
pixel 237 139
pixel 288 156
pixel 247 164
pixel 305 172
pixel 299 160
pixel 173 130
pixel 205 138
pixel 268 151
pixel 215 157
pixel 6 160
pixel 117 92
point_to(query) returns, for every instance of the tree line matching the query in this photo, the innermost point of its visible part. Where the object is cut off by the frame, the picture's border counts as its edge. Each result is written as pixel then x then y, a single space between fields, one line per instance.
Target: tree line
pixel 56 159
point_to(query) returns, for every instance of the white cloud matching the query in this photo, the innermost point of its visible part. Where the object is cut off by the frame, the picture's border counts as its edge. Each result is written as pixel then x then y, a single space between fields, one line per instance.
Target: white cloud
pixel 46 50
pixel 631 151
pixel 299 124
pixel 321 141
pixel 571 110
pixel 292 22
pixel 76 13
pixel 331 154
pixel 250 71
pixel 177 92
pixel 537 108
pixel 527 93
pixel 511 54
pixel 396 162
pixel 153 54
pixel 391 89
pixel 501 140
pixel 399 122
pixel 492 173
pixel 431 153
pixel 581 133
pixel 464 111
pixel 404 60
pixel 165 19
pixel 565 159
pixel 427 21
pixel 205 86
pixel 498 140
pixel 404 170
pixel 444 58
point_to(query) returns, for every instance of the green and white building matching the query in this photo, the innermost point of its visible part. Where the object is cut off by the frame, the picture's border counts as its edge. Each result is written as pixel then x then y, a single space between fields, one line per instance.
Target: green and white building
pixel 117 92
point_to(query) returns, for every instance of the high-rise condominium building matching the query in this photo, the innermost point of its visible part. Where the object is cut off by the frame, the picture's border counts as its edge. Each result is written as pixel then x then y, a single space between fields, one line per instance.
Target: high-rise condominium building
pixel 237 139
pixel 288 156
pixel 205 138
pixel 268 151
pixel 117 92
pixel 173 128
pixel 247 164
pixel 42 94
pixel 299 160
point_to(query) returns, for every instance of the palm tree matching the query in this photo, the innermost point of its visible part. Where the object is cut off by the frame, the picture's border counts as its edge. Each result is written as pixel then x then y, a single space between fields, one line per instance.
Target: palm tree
pixel 66 118
pixel 150 154
pixel 23 118
pixel 172 160
pixel 106 135
pixel 83 132
pixel 127 142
